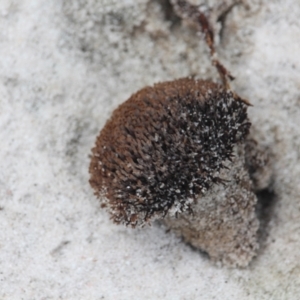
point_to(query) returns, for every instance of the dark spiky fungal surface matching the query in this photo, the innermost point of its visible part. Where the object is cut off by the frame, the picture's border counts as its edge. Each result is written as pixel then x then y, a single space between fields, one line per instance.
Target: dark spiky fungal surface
pixel 164 147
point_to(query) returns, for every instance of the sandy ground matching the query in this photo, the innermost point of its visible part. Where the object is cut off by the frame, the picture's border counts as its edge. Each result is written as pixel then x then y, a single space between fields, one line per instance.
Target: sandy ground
pixel 64 67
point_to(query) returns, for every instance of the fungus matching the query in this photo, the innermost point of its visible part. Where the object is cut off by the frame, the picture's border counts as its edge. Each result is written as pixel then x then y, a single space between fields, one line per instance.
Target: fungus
pixel 181 152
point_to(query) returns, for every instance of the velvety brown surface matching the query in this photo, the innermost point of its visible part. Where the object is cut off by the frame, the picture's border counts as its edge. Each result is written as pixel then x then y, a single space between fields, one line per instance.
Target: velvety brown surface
pixel 164 147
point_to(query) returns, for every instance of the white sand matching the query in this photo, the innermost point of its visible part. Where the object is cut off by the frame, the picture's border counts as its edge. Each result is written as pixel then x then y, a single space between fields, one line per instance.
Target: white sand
pixel 64 68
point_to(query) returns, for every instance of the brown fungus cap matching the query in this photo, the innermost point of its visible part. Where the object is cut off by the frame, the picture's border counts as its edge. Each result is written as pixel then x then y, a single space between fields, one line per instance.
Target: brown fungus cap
pixel 164 147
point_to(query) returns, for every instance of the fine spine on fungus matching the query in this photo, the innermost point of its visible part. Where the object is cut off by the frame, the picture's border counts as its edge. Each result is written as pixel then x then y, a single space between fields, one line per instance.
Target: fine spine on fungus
pixel 176 151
